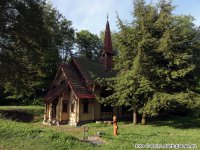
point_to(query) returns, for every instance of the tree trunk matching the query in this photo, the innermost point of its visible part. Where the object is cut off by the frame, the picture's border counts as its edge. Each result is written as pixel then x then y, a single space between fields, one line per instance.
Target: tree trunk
pixel 134 117
pixel 143 122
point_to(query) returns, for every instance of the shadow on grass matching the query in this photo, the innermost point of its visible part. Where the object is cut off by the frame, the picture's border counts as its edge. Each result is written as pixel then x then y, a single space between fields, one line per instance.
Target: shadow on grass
pixel 19 116
pixel 182 122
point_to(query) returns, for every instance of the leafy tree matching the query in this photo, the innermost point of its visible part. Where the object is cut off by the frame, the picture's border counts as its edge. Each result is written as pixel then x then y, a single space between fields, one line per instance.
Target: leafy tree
pixel 88 44
pixel 156 62
pixel 31 35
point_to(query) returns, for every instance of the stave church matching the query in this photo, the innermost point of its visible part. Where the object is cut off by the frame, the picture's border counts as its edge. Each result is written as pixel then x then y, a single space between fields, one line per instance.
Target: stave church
pixel 72 96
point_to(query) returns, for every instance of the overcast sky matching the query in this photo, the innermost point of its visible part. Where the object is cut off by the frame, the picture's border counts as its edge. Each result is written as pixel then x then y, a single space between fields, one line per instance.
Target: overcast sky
pixel 91 14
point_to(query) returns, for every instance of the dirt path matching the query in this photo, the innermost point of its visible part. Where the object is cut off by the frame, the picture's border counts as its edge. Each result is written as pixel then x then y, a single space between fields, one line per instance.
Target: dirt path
pixel 1 148
pixel 96 140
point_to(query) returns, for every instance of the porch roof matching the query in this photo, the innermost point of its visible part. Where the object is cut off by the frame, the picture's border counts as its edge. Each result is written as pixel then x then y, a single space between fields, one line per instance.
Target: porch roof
pixel 55 92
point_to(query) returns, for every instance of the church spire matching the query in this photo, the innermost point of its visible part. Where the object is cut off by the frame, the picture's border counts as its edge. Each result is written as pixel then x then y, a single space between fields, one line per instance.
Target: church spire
pixel 108 52
pixel 107 39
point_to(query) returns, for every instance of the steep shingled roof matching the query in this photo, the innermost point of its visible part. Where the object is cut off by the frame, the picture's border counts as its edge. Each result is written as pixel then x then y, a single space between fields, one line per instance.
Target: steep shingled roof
pixel 107 40
pixel 75 82
pixel 55 92
pixel 91 69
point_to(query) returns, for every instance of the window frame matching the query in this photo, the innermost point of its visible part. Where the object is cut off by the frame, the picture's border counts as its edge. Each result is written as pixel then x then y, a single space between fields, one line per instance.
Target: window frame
pixel 85 104
pixel 65 103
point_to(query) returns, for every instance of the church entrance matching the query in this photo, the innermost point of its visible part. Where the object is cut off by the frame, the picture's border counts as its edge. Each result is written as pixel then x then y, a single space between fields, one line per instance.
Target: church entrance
pixel 55 102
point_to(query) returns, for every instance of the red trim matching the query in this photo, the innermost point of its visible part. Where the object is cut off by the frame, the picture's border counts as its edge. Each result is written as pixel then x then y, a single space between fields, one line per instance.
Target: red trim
pixel 69 83
pixel 89 96
pixel 78 95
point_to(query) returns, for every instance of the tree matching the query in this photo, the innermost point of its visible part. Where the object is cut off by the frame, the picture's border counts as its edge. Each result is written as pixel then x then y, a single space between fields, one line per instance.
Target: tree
pixel 175 63
pixel 31 34
pixel 88 44
pixel 156 62
pixel 132 85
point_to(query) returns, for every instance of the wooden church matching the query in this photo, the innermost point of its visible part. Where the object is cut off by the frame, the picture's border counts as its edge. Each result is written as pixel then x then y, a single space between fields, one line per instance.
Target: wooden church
pixel 72 97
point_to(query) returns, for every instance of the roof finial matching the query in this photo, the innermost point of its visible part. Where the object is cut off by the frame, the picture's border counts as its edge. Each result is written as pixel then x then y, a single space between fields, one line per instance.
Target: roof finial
pixel 107 16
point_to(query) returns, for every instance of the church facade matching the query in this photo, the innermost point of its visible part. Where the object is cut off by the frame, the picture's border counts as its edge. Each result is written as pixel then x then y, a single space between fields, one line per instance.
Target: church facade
pixel 72 97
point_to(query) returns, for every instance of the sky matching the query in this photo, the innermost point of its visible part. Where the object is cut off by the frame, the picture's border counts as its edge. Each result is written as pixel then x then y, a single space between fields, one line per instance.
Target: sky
pixel 92 14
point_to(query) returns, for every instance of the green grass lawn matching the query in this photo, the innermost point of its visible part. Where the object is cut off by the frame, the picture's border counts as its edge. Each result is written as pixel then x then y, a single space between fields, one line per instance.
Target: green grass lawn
pixel 35 136
pixel 22 113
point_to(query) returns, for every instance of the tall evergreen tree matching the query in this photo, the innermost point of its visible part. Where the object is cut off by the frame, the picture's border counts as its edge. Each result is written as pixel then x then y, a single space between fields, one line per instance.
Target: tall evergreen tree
pixel 175 64
pixel 156 62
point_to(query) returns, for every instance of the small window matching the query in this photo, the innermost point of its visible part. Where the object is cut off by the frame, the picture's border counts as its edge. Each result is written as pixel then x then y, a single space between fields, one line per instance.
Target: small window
pixel 62 82
pixel 72 107
pixel 85 106
pixel 65 106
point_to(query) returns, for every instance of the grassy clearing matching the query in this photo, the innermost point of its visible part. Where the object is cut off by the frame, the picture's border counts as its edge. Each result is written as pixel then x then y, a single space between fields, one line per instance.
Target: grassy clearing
pixel 22 113
pixel 34 135
pixel 21 108
pixel 173 130
pixel 24 136
pixel 34 110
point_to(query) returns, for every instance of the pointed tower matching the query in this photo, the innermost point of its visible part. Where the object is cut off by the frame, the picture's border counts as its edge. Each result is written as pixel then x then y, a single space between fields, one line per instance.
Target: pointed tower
pixel 107 54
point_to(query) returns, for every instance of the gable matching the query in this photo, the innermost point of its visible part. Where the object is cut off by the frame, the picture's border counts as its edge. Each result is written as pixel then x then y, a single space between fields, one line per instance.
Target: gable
pixel 76 83
pixel 72 80
pixel 58 77
pixel 55 92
